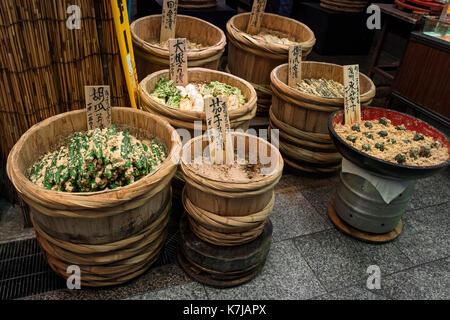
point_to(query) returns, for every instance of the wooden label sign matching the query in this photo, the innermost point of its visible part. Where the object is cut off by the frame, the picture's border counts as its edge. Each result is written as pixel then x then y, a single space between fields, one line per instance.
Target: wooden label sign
pixel 98 106
pixel 178 61
pixel 218 122
pixel 295 65
pixel 352 104
pixel 168 20
pixel 254 23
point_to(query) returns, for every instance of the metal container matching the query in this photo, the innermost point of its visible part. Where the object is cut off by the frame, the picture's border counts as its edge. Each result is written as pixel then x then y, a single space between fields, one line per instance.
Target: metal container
pixel 360 205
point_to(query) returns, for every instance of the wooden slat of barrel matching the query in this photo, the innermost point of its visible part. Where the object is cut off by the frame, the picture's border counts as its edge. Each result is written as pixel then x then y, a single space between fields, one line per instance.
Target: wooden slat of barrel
pixel 222 266
pixel 151 58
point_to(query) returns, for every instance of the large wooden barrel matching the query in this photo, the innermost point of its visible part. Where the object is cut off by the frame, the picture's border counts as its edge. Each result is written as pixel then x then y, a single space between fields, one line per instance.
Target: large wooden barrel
pixel 302 119
pixel 151 58
pixel 253 59
pixel 239 118
pixel 224 212
pixel 222 266
pixel 113 235
pixel 197 4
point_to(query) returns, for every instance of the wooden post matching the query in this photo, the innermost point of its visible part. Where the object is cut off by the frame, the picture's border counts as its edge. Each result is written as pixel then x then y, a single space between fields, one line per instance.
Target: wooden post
pixel 98 106
pixel 218 123
pixel 168 20
pixel 178 61
pixel 122 26
pixel 254 23
pixel 295 65
pixel 352 105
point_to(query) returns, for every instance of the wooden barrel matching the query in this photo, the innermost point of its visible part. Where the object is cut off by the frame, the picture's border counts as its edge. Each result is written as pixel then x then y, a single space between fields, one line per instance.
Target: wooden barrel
pixel 239 118
pixel 197 4
pixel 344 5
pixel 302 119
pixel 253 60
pixel 222 266
pixel 113 235
pixel 151 58
pixel 229 213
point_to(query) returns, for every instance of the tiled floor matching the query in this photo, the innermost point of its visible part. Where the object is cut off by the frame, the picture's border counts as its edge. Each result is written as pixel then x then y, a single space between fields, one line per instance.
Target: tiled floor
pixel 310 259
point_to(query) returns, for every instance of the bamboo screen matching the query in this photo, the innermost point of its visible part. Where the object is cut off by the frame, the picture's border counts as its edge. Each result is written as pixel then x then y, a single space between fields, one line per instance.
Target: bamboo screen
pixel 44 65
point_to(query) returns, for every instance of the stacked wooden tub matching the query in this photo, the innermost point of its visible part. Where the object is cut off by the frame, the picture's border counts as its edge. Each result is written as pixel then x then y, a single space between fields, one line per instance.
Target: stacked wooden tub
pixel 151 58
pixel 253 59
pixel 302 119
pixel 226 234
pixel 181 119
pixel 112 235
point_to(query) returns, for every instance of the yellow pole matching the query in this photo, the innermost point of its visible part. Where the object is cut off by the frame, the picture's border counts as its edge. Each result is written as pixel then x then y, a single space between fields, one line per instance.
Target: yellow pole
pixel 122 25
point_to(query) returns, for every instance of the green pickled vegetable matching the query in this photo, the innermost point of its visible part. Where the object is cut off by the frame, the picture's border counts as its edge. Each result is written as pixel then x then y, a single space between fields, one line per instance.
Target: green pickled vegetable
pixel 97 160
pixel 368 124
pixel 355 127
pixel 400 158
pixel 379 146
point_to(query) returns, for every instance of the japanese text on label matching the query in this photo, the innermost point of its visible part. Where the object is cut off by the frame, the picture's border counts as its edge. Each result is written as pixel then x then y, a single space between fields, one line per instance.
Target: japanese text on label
pixel 351 94
pixel 295 65
pixel 178 61
pixel 218 123
pixel 98 106
pixel 168 20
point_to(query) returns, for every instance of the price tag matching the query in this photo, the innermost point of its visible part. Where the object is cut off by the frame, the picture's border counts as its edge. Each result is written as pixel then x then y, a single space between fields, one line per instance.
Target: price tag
pixel 98 106
pixel 254 23
pixel 352 105
pixel 168 20
pixel 178 61
pixel 218 122
pixel 295 65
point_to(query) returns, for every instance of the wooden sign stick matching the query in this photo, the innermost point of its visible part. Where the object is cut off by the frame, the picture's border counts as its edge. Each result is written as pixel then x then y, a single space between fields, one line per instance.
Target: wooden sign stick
pixel 218 123
pixel 178 61
pixel 295 65
pixel 98 106
pixel 352 104
pixel 254 23
pixel 168 20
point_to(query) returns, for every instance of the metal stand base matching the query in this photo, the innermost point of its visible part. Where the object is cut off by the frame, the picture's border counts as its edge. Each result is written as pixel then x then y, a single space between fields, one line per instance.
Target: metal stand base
pixel 362 235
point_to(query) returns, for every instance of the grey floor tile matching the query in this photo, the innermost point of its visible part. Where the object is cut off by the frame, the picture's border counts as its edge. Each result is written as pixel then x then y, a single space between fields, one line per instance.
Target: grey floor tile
pixel 188 291
pixel 353 293
pixel 155 279
pixel 11 224
pixel 339 261
pixel 431 191
pixel 426 282
pixel 425 236
pixel 285 275
pixel 319 199
pixel 302 182
pixel 293 216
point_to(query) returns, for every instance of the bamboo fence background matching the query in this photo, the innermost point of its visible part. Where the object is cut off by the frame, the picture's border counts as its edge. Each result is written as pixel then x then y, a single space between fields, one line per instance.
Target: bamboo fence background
pixel 44 65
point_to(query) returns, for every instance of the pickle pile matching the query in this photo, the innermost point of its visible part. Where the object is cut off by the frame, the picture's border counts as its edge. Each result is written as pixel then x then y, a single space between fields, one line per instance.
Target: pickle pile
pixel 98 160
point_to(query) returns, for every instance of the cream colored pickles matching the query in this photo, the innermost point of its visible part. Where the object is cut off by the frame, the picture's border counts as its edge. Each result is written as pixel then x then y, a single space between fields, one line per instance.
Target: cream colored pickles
pixel 321 87
pixel 97 160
